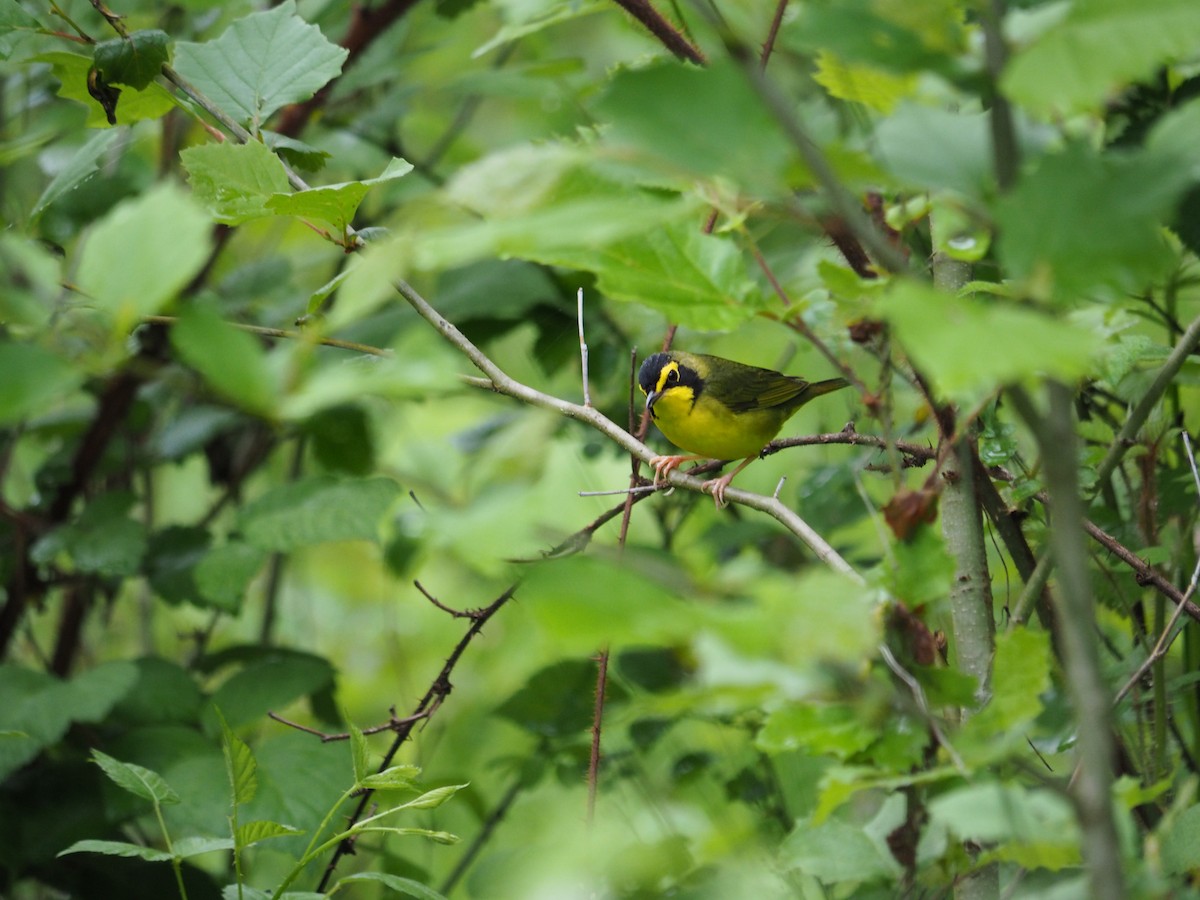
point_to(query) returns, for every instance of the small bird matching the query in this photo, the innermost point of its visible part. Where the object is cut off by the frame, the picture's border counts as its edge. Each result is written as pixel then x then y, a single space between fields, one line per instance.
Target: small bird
pixel 720 409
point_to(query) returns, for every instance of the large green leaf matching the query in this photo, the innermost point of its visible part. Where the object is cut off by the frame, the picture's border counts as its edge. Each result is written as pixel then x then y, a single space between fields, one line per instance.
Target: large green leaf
pixel 261 63
pixel 335 203
pixel 139 256
pixel 1101 45
pixel 970 347
pixel 33 380
pixel 318 509
pixel 231 360
pixel 1082 221
pixel 270 679
pixel 71 69
pixel 135 60
pixel 234 180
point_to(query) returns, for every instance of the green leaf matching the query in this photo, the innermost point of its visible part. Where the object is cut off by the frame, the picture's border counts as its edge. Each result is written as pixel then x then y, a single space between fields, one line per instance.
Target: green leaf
pixel 16 26
pixel 405 886
pixel 1081 220
pixel 835 851
pixel 863 83
pixel 1033 828
pixel 234 180
pixel 929 147
pixel 833 729
pixel 103 540
pixel 1180 840
pixel 139 256
pixel 240 765
pixel 252 832
pixel 1020 675
pixel 84 164
pixel 195 845
pixel 334 203
pixel 558 700
pixel 343 439
pixel 134 61
pixel 33 380
pixel 71 70
pixel 270 680
pixel 261 63
pixel 318 509
pixel 230 359
pixel 139 781
pixel 118 848
pixel 396 778
pixel 970 347
pixel 163 693
pixel 434 798
pixel 655 110
pixel 225 573
pixel 1100 46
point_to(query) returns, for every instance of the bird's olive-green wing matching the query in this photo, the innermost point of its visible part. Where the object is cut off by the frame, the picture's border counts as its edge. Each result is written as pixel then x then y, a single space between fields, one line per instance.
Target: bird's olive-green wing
pixel 743 388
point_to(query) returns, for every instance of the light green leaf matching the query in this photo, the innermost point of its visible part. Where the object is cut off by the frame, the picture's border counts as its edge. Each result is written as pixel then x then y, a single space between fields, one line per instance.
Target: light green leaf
pixel 118 848
pixel 71 70
pixel 396 778
pixel 334 203
pixel 230 360
pixel 359 752
pixel 835 729
pixel 261 63
pixel 835 851
pixel 234 180
pixel 318 509
pixel 139 256
pixel 1020 675
pixel 928 147
pixel 139 781
pixel 16 25
pixel 405 886
pixel 194 845
pixel 434 798
pixel 252 832
pixel 862 83
pixel 240 766
pixel 1101 45
pixel 537 17
pixel 971 347
pixel 134 61
pixel 33 380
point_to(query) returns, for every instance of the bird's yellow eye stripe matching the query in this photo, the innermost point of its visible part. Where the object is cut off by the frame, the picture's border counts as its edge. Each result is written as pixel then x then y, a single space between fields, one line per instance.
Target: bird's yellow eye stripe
pixel 669 375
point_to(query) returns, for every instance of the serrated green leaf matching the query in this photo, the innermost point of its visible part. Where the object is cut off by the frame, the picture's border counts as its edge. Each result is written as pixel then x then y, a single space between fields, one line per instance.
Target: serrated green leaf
pixel 252 832
pixel 118 848
pixel 16 25
pixel 970 347
pixel 395 883
pixel 138 780
pixel 1020 675
pixel 230 360
pixel 434 798
pixel 834 852
pixel 261 63
pixel 194 845
pixel 334 203
pixel 862 83
pixel 1100 46
pixel 33 379
pixel 234 180
pixel 135 60
pixel 240 766
pixel 318 509
pixel 139 256
pixel 396 778
pixel 225 573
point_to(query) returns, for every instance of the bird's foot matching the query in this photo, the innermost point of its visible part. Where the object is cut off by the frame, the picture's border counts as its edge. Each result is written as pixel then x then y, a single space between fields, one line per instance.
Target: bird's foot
pixel 716 487
pixel 663 465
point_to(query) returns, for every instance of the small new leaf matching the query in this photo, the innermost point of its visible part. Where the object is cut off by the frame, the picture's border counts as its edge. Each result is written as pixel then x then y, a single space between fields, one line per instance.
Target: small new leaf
pixel 435 798
pixel 253 832
pixel 118 848
pixel 137 780
pixel 240 765
pixel 394 779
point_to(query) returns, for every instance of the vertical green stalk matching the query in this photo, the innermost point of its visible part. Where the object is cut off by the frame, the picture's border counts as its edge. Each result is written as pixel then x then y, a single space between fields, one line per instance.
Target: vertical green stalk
pixel 1092 701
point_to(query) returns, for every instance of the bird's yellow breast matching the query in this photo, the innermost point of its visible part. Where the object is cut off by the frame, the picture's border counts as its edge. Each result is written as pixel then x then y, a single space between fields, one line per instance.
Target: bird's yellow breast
pixel 709 428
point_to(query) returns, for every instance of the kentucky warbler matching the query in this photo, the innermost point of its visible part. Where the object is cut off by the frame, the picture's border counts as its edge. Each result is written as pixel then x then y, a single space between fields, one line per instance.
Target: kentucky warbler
pixel 718 408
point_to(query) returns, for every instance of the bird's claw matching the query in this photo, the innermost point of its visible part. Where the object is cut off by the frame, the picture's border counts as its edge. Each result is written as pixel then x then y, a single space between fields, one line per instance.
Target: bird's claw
pixel 716 487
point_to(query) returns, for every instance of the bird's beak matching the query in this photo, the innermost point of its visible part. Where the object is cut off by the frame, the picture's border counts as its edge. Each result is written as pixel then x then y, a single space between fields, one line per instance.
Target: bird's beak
pixel 651 399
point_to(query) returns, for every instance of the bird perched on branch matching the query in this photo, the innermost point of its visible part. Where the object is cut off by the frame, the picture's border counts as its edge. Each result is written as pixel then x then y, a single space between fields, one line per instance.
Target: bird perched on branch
pixel 720 409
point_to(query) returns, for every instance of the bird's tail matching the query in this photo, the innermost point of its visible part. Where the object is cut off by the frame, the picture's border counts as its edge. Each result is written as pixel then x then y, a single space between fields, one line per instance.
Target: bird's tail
pixel 824 387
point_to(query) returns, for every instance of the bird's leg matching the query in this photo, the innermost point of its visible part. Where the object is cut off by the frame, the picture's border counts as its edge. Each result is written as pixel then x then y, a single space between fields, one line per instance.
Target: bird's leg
pixel 717 485
pixel 664 464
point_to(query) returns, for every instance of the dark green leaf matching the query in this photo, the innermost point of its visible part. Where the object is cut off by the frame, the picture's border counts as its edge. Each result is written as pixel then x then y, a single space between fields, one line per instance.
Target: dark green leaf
pixel 343 439
pixel 171 563
pixel 225 573
pixel 559 700
pixel 134 61
pixel 270 680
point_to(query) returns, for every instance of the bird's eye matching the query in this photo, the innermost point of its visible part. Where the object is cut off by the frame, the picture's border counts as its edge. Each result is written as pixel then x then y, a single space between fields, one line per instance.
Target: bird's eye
pixel 672 376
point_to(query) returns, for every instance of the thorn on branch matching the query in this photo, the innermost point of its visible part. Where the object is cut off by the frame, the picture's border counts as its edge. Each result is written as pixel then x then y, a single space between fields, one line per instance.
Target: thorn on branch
pixel 474 614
